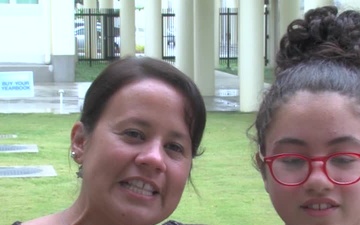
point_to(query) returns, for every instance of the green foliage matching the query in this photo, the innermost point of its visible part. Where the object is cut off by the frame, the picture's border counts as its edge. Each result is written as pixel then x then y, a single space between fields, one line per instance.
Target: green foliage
pixel 229 67
pixel 232 68
pixel 231 190
pixel 269 75
pixel 139 48
pixel 86 73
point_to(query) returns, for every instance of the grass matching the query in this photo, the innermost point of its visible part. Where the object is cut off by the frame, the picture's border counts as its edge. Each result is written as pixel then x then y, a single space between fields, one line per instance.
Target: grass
pixel 84 72
pixel 232 68
pixel 231 190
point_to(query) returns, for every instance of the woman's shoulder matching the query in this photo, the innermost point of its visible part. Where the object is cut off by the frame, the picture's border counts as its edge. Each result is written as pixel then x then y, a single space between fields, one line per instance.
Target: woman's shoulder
pixel 45 220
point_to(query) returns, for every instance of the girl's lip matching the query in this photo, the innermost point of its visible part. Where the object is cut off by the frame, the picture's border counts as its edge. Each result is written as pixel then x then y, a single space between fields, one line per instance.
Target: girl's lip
pixel 313 201
pixel 320 207
pixel 320 204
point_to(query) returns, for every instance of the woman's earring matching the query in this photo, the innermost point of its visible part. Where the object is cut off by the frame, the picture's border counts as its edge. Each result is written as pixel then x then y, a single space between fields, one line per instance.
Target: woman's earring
pixel 80 172
pixel 73 154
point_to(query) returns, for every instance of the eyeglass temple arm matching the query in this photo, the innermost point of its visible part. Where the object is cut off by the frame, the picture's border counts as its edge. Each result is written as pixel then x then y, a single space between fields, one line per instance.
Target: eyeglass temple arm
pixel 261 156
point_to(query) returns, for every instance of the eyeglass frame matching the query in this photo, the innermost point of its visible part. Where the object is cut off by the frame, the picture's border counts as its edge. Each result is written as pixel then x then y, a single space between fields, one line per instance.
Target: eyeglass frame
pixel 268 160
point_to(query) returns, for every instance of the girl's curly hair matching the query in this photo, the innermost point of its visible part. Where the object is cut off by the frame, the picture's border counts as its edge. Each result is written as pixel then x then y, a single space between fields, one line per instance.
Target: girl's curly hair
pixel 318 53
pixel 321 35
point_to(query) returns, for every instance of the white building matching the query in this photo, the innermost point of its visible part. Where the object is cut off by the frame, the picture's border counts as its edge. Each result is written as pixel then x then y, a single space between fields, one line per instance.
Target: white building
pixel 38 35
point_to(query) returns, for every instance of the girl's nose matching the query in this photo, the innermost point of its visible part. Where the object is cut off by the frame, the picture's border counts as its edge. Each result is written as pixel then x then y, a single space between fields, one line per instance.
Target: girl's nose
pixel 318 181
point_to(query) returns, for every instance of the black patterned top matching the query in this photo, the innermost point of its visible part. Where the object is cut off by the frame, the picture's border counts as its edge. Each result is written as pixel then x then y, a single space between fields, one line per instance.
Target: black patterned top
pixel 170 222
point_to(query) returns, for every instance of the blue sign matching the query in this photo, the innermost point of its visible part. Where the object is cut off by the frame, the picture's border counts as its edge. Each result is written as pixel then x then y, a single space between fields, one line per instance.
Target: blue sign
pixel 16 84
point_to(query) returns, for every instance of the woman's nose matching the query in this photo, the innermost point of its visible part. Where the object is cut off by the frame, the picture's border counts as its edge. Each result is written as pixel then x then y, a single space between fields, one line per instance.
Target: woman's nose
pixel 152 156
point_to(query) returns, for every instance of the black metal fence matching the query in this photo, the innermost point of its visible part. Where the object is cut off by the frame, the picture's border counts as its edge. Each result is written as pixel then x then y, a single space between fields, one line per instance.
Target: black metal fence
pixel 228 37
pixel 97 34
pixel 168 34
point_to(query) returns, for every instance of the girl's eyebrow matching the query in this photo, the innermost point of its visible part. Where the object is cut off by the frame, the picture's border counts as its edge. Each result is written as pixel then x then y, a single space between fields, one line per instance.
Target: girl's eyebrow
pixel 290 140
pixel 344 139
pixel 338 140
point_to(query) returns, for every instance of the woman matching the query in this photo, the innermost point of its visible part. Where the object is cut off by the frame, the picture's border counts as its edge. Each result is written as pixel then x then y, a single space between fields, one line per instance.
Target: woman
pixel 308 125
pixel 141 125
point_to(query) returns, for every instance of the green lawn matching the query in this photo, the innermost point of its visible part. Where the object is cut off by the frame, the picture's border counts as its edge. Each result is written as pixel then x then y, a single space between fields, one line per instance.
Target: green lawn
pixel 231 190
pixel 84 72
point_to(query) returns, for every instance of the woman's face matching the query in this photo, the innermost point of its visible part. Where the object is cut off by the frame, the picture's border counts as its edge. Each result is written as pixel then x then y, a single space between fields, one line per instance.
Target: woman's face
pixel 138 158
pixel 315 125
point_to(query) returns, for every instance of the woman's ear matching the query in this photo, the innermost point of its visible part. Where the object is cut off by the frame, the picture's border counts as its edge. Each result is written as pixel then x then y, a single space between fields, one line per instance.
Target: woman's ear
pixel 78 140
pixel 260 164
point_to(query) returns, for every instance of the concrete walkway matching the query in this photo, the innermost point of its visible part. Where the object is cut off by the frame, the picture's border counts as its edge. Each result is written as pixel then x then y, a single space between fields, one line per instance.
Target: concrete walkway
pixel 47 97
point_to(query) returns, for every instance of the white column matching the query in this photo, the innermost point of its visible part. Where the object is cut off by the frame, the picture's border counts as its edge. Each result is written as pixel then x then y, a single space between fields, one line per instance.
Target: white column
pixel 105 4
pixel 204 46
pixel 153 29
pixel 90 4
pixel 217 33
pixel 127 28
pixel 272 30
pixel 350 4
pixel 312 4
pixel 184 36
pixel 90 22
pixel 63 43
pixel 289 10
pixel 47 25
pixel 250 52
pixel 232 4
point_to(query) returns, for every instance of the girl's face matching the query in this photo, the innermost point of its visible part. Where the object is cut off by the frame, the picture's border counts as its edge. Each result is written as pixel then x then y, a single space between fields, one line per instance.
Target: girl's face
pixel 313 125
pixel 138 158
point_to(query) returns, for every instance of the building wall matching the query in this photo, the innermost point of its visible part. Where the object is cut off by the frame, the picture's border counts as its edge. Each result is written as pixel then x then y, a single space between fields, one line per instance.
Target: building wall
pixel 38 37
pixel 25 33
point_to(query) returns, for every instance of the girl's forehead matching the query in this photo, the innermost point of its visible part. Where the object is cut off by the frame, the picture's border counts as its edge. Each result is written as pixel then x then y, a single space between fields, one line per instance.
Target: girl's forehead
pixel 314 116
pixel 305 101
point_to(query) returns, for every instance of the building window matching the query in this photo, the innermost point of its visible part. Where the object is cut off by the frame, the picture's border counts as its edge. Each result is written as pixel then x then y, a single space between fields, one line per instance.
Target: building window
pixel 27 1
pixel 19 1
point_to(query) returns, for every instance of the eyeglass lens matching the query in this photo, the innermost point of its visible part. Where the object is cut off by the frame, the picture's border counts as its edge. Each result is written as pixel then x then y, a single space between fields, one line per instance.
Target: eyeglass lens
pixel 341 168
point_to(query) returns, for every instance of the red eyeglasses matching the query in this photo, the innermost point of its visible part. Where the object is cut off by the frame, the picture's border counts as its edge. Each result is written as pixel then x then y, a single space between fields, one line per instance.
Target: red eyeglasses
pixel 295 169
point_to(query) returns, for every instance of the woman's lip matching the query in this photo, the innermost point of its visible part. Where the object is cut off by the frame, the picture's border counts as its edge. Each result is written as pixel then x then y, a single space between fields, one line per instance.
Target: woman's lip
pixel 146 181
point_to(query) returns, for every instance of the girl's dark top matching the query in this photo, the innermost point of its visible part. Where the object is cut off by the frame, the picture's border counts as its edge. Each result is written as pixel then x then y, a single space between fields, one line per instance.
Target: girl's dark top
pixel 170 222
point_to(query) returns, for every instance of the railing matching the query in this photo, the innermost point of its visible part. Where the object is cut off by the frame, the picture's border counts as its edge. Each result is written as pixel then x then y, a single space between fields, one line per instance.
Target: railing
pixel 97 34
pixel 168 34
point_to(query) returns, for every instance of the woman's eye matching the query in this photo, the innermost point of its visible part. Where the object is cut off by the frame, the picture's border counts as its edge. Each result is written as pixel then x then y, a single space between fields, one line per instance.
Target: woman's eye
pixel 134 134
pixel 174 147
